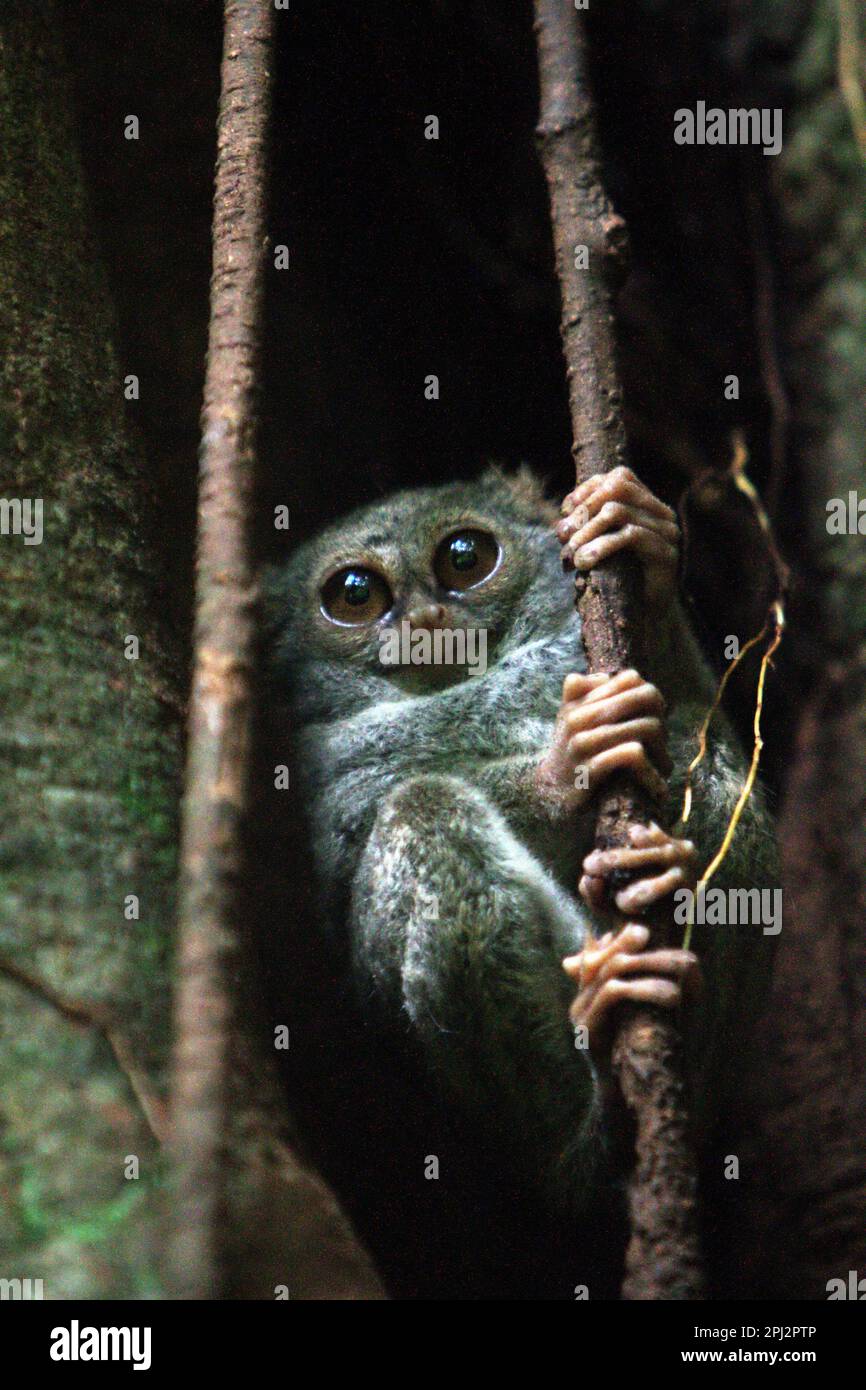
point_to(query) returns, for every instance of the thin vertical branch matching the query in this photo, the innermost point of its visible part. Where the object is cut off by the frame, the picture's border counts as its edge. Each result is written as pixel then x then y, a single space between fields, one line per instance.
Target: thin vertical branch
pixel 663 1258
pixel 219 727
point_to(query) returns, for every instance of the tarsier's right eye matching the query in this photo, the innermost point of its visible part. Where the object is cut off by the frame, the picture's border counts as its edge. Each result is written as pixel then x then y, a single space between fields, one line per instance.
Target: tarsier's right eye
pixel 356 595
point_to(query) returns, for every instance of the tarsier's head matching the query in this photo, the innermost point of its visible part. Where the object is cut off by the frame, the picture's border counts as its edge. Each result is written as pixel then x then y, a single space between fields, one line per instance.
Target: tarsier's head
pixel 426 588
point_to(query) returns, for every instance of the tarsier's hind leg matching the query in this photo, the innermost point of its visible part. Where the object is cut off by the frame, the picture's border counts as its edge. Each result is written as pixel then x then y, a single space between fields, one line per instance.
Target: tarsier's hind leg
pixel 458 926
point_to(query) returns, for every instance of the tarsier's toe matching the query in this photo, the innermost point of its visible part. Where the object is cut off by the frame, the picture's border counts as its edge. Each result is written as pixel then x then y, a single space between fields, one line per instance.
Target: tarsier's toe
pixel 659 864
pixel 585 965
pixel 593 890
pixel 622 970
pixel 663 992
pixel 641 896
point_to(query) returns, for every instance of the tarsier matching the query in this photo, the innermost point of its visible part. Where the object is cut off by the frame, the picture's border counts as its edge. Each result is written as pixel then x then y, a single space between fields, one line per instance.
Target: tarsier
pixel 452 815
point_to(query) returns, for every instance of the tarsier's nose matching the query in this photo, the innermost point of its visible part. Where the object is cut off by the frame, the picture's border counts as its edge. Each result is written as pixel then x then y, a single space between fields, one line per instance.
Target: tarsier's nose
pixel 429 615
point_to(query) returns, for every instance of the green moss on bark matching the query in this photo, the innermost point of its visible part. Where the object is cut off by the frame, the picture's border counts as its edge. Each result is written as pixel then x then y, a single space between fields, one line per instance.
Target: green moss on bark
pixel 88 756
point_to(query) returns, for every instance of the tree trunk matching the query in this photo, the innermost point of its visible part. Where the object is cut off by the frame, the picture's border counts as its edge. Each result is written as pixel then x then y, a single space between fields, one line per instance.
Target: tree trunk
pixel 90 772
pixel 89 754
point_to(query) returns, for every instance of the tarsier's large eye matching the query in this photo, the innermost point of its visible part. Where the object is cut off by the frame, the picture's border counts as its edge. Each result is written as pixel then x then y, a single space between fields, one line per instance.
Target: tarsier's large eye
pixel 465 559
pixel 356 595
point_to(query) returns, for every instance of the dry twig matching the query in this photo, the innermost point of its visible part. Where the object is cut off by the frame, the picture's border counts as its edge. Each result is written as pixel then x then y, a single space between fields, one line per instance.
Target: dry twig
pixel 89 1014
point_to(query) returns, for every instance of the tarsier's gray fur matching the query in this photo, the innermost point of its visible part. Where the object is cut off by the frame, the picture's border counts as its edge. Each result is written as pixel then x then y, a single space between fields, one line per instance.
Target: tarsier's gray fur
pixel 421 794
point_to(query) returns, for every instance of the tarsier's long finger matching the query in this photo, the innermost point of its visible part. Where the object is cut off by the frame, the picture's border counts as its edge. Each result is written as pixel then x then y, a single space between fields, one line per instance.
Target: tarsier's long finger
pixel 595 503
pixel 650 834
pixel 580 684
pixel 592 944
pixel 649 731
pixel 578 530
pixel 580 489
pixel 646 544
pixel 594 892
pixel 575 497
pixel 593 1007
pixel 620 484
pixel 627 492
pixel 631 757
pixel 586 964
pixel 639 897
pixel 664 852
pixel 679 965
pixel 613 709
pixel 616 684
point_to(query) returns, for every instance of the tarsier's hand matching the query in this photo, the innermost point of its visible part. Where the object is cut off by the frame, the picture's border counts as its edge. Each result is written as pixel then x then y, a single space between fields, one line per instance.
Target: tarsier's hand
pixel 606 724
pixel 618 967
pixel 613 512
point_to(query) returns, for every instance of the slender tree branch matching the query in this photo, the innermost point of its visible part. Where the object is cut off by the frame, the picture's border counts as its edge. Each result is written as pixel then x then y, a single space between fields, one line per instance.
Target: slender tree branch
pixel 210 944
pixel 663 1258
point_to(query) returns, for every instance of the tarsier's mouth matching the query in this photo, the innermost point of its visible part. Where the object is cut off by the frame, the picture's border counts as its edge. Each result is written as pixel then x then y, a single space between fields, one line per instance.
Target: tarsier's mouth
pixel 439 654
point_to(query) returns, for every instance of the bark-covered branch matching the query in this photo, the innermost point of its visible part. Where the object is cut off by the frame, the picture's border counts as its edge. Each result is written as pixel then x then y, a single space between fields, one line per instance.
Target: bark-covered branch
pixel 663 1259
pixel 220 713
pixel 250 1219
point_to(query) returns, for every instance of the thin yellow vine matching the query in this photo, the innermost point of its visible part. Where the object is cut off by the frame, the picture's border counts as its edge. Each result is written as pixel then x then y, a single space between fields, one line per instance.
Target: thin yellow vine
pixel 773 629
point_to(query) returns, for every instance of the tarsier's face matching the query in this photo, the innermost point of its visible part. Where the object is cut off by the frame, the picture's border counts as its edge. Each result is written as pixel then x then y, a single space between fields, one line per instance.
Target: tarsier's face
pixel 425 601
pixel 426 587
pixel 428 609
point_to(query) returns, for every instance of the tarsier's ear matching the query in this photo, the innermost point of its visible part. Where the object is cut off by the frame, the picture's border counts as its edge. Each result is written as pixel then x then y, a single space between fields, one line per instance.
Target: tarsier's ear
pixel 525 491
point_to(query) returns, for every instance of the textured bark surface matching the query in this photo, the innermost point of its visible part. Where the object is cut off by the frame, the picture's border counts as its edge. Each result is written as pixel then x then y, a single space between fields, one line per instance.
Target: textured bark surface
pixel 663 1258
pixel 89 780
pixel 215 799
pixel 248 1217
pixel 88 752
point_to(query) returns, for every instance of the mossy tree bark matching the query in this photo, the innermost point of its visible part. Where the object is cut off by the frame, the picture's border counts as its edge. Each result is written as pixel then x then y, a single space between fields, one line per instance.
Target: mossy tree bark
pixel 89 751
pixel 90 776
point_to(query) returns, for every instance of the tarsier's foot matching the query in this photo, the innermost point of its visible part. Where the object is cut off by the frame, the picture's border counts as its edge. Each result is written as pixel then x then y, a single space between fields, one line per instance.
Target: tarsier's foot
pixel 617 968
pixel 606 724
pixel 612 512
pixel 656 862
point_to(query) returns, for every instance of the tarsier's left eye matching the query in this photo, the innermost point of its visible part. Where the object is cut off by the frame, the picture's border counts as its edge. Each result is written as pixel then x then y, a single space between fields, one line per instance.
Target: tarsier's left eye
pixel 356 595
pixel 465 559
